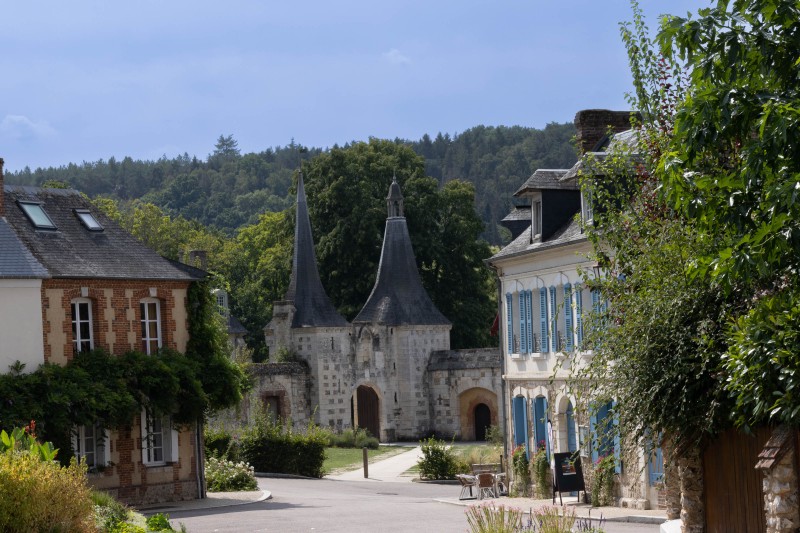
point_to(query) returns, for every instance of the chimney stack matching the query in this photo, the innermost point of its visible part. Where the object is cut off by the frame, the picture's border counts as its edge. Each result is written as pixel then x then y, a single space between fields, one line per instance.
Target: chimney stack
pixel 2 194
pixel 198 259
pixel 594 124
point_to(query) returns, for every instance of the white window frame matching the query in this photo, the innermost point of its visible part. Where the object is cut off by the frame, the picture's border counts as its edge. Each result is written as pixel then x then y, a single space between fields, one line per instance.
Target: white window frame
pixel 97 448
pixel 536 219
pixel 169 440
pixel 77 340
pixel 146 320
pixel 587 209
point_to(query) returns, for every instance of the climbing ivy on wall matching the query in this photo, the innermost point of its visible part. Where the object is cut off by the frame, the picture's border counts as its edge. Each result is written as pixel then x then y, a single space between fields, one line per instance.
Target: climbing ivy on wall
pixel 99 388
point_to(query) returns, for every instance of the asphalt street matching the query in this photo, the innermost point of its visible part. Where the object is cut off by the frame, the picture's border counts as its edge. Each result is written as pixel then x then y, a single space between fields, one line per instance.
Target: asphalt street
pixel 327 505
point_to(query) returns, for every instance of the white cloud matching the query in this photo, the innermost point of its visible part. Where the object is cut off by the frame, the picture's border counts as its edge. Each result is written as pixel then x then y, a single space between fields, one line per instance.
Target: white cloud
pixel 20 127
pixel 395 56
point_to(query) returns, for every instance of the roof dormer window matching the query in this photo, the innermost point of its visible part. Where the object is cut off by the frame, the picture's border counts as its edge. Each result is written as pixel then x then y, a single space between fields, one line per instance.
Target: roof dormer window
pixel 88 220
pixel 37 215
pixel 536 219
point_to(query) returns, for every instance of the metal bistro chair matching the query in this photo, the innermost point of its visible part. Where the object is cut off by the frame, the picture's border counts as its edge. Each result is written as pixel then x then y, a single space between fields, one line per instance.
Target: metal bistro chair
pixel 467 482
pixel 486 485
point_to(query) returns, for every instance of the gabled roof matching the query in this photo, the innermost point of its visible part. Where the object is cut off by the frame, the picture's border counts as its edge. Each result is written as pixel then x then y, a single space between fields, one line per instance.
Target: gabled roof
pixel 624 141
pixel 398 297
pixel 520 212
pixel 15 260
pixel 545 178
pixel 313 308
pixel 74 251
pixel 234 326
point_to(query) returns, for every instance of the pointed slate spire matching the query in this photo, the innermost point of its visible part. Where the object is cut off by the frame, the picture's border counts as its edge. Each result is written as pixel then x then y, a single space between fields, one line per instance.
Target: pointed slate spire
pixel 313 308
pixel 398 297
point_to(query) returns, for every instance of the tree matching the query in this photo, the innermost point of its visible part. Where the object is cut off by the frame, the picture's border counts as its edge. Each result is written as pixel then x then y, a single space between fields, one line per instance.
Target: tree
pixel 226 148
pixel 733 170
pixel 347 190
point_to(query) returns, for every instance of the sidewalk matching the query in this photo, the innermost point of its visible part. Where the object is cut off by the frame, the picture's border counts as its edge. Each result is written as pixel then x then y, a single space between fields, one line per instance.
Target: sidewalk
pixel 582 510
pixel 390 469
pixel 212 500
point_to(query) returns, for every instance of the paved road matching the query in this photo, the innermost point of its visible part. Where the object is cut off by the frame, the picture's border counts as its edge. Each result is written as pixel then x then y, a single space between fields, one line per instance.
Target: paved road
pixel 306 505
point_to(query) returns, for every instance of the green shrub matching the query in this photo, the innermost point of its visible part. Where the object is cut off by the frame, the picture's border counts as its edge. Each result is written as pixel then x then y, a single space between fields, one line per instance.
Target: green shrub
pixel 353 438
pixel 38 495
pixel 220 443
pixel 126 527
pixel 226 476
pixel 159 522
pixel 438 460
pixel 603 481
pixel 494 435
pixel 521 469
pixel 108 512
pixel 551 519
pixel 541 473
pixel 277 448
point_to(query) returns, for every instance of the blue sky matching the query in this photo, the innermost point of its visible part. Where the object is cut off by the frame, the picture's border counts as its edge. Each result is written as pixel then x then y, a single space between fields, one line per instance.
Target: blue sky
pixel 87 80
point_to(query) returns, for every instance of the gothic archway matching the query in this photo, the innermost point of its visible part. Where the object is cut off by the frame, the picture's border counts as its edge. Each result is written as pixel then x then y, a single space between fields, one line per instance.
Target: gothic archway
pixel 483 419
pixel 368 410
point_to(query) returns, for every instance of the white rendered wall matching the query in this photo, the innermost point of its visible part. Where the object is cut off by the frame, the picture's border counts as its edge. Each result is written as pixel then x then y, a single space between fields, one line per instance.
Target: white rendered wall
pixel 21 336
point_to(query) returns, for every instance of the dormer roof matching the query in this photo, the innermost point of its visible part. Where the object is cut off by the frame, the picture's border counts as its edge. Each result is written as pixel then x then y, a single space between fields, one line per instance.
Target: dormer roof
pixel 545 178
pixel 313 308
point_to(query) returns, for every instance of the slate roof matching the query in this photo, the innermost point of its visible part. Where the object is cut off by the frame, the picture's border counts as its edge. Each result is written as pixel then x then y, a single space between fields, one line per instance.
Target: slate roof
pixel 398 297
pixel 567 234
pixel 235 327
pixel 521 212
pixel 546 179
pixel 626 140
pixel 313 308
pixel 73 251
pixel 15 260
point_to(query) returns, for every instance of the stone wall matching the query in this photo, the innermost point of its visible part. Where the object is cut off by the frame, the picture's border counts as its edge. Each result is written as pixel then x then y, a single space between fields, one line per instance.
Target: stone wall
pixel 781 502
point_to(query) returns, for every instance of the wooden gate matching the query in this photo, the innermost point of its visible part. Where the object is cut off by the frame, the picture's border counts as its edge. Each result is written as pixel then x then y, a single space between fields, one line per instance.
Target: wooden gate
pixel 368 410
pixel 734 498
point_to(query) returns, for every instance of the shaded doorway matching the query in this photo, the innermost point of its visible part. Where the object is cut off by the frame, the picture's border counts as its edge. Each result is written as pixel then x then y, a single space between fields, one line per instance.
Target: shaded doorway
pixel 368 415
pixel 483 419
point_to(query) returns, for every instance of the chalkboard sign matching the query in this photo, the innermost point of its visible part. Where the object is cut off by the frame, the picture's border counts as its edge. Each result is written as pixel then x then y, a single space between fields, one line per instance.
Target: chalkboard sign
pixel 569 474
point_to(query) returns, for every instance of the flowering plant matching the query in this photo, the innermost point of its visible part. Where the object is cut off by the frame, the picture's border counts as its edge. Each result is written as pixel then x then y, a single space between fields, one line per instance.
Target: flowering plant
pixel 226 476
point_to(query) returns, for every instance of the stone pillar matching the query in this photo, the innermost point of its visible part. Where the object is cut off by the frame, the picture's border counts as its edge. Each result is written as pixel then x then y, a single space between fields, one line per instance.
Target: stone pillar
pixel 672 482
pixel 690 466
pixel 781 502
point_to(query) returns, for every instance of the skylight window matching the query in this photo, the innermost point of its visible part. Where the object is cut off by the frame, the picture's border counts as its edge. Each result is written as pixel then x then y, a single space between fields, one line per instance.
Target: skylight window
pixel 37 215
pixel 88 220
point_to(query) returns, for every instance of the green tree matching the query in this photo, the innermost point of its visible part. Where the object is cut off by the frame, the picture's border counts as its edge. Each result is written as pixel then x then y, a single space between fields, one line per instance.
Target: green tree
pixel 347 190
pixel 733 169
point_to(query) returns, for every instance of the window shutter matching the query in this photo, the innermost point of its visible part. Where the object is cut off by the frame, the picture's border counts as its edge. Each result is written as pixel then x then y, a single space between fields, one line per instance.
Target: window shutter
pixel 553 320
pixel 525 426
pixel 568 317
pixel 529 318
pixel 593 444
pixel 173 455
pixel 509 322
pixel 143 425
pixel 595 301
pixel 617 455
pixel 520 423
pixel 543 318
pixel 578 313
pixel 523 332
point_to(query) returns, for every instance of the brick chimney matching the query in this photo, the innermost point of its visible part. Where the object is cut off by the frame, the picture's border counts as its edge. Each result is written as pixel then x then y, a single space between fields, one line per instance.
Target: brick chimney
pixel 2 194
pixel 594 124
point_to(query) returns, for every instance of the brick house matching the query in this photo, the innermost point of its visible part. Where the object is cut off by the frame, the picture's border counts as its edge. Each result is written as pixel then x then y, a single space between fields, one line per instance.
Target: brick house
pixel 73 280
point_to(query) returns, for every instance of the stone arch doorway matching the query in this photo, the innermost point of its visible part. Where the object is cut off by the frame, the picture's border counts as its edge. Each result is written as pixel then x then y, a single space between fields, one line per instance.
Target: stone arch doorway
pixel 468 404
pixel 367 410
pixel 483 419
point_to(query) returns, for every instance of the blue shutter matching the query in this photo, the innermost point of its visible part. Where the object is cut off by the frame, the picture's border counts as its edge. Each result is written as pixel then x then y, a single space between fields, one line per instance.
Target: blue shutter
pixel 525 427
pixel 543 316
pixel 553 320
pixel 509 322
pixel 578 313
pixel 595 301
pixel 593 441
pixel 539 422
pixel 520 429
pixel 572 438
pixel 523 333
pixel 529 319
pixel 615 429
pixel 568 316
pixel 547 437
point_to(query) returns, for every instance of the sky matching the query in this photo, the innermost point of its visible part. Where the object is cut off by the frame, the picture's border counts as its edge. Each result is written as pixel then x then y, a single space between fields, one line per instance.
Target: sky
pixel 88 80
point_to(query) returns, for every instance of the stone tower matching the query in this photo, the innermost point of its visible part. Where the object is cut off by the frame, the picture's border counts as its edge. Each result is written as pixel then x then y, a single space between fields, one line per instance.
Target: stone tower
pixel 395 333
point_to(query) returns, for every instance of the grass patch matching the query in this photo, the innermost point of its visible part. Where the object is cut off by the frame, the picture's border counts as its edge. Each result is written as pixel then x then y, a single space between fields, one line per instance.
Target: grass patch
pixel 345 459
